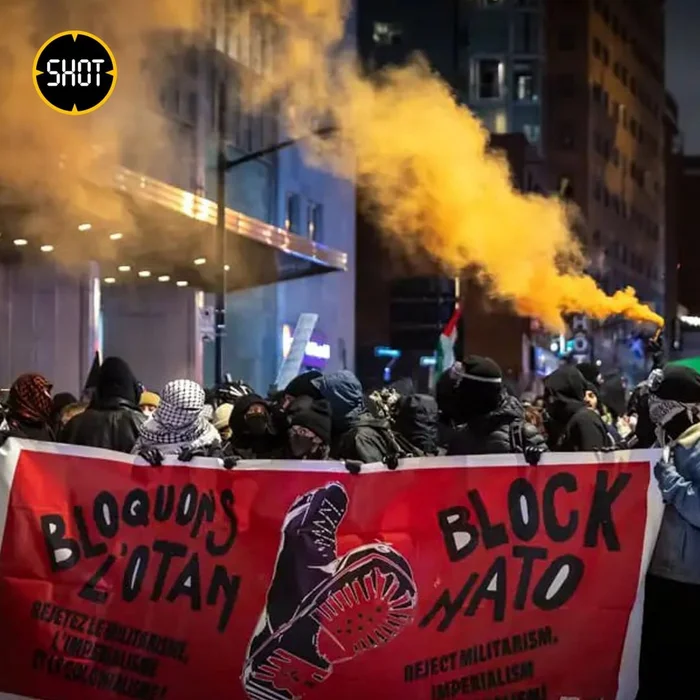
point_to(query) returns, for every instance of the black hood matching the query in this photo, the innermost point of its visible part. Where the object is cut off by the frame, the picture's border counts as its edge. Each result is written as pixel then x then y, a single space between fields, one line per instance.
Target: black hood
pixel 564 392
pixel 116 381
pixel 613 395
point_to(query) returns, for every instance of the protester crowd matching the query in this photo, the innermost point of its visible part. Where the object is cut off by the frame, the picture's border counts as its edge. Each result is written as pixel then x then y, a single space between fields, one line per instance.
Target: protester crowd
pixel 472 412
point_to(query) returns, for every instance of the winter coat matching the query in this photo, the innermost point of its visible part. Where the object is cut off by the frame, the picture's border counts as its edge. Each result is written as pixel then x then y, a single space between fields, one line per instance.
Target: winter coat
pixel 572 426
pixel 111 423
pixel 677 552
pixel 357 434
pixel 417 422
pixel 113 418
pixel 502 431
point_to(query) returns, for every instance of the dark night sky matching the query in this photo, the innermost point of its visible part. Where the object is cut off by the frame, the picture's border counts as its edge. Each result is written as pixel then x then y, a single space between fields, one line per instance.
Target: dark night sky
pixel 683 66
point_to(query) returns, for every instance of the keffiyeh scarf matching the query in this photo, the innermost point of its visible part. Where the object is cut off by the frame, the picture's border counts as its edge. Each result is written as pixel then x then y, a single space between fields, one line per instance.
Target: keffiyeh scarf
pixel 179 419
pixel 30 399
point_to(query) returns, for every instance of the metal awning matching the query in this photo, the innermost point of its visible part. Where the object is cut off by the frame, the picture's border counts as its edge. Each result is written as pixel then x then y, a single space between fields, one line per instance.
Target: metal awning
pixel 172 233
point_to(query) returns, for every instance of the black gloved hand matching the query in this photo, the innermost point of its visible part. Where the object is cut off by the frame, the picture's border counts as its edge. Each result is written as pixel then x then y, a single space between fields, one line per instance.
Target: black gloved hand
pixel 3 438
pixel 230 462
pixel 353 466
pixel 187 454
pixel 392 462
pixel 152 455
pixel 532 454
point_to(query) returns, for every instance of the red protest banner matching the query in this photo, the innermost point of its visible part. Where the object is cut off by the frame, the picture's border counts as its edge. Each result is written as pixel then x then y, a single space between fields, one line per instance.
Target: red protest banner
pixel 444 579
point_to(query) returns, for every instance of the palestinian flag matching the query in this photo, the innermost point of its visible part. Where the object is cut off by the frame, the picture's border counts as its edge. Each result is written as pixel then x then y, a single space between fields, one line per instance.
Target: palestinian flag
pixel 446 343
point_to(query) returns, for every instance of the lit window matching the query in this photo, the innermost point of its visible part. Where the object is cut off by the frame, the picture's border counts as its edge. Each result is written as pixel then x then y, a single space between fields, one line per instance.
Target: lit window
pixel 489 75
pixel 292 212
pixel 314 222
pixel 532 133
pixel 525 80
pixel 387 33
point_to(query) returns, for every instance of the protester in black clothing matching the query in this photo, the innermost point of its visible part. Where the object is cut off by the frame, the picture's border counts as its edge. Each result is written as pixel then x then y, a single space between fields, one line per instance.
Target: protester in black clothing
pixel 29 407
pixel 356 434
pixel 113 418
pixel 572 426
pixel 417 421
pixel 253 433
pixel 494 419
pixel 309 433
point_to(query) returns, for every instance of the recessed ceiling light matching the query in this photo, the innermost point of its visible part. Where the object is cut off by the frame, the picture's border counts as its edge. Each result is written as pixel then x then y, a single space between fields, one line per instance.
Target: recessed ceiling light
pixel 200 261
pixel 164 278
pixel 227 268
pixel 124 268
pixel 116 236
pixel 84 227
pixel 46 248
pixel 20 241
pixel 110 280
pixel 144 273
pixel 181 283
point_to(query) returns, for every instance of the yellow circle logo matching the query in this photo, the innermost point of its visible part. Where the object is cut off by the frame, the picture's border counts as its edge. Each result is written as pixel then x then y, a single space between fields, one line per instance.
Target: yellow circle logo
pixel 74 72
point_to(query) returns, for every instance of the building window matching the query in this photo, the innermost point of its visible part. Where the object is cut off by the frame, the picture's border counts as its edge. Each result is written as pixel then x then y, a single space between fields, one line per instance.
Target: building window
pixel 623 74
pixel 292 213
pixel 615 156
pixel 597 47
pixel 387 33
pixel 489 78
pixel 314 222
pixel 532 133
pixel 527 37
pixel 566 39
pixel 633 85
pixel 525 80
pixel 597 92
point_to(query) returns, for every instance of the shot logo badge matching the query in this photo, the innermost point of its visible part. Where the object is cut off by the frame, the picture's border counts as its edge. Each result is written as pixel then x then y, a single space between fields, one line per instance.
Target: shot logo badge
pixel 74 72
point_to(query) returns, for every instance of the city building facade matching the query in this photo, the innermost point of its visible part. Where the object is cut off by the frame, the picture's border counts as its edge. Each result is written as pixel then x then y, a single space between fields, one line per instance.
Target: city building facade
pixel 290 244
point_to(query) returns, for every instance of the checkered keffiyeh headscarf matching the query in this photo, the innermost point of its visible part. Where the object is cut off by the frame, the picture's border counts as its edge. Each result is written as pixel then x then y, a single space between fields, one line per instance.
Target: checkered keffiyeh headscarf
pixel 30 398
pixel 179 417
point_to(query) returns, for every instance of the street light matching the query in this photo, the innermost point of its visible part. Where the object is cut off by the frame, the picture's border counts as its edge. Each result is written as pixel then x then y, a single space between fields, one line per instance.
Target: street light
pixel 223 165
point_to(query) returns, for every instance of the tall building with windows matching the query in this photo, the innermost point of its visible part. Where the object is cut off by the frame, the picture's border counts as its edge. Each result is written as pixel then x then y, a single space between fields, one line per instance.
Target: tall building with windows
pixel 146 285
pixel 604 102
pixel 501 62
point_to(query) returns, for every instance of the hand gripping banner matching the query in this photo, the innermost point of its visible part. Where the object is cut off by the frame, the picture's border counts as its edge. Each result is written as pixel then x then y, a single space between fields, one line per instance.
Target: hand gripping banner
pixel 448 578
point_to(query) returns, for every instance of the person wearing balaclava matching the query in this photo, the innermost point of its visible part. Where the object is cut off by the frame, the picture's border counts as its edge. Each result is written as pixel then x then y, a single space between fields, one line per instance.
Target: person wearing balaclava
pixel 670 645
pixel 29 408
pixel 299 393
pixel 356 434
pixel 178 424
pixel 494 419
pixel 113 418
pixel 253 433
pixel 309 433
pixel 571 425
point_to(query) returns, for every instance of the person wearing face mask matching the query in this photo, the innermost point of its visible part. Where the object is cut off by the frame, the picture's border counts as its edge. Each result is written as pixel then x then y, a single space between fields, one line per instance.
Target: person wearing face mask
pixel 672 595
pixel 148 403
pixel 309 433
pixel 253 434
